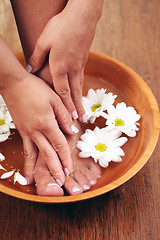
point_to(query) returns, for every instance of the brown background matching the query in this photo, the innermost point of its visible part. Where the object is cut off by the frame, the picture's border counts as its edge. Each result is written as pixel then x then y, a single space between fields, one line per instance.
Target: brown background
pixel 129 30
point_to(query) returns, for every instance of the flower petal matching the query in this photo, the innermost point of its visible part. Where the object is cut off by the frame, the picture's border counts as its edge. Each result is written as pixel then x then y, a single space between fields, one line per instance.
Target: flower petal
pixel 7 174
pixel 4 136
pixel 2 157
pixel 20 179
pixel 2 168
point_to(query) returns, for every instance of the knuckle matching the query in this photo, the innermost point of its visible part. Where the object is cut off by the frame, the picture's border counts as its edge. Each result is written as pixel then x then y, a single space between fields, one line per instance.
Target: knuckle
pixel 34 60
pixel 41 125
pixel 47 154
pixel 58 147
pixel 64 92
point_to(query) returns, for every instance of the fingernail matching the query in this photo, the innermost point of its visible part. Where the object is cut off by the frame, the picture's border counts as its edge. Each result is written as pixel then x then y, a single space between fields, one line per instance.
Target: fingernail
pixel 59 182
pixel 74 114
pixel 27 179
pixel 28 68
pixel 84 118
pixel 52 184
pixel 75 189
pixel 92 182
pixel 86 187
pixel 99 176
pixel 74 129
pixel 66 171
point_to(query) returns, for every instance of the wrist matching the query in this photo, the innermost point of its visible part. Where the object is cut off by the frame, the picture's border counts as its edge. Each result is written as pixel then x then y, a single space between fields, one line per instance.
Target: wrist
pixel 10 68
pixel 9 78
pixel 90 9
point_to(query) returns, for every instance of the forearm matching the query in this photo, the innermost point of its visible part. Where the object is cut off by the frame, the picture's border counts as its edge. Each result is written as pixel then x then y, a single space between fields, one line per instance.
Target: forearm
pixel 31 17
pixel 10 68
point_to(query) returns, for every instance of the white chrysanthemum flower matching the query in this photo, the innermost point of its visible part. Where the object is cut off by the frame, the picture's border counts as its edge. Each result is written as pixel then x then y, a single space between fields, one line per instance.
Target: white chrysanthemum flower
pixel 19 178
pixel 123 118
pixel 102 145
pixel 96 102
pixel 6 123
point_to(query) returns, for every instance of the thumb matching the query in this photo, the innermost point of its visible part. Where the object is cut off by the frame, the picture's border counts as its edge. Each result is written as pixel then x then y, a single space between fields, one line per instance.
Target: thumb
pixel 38 56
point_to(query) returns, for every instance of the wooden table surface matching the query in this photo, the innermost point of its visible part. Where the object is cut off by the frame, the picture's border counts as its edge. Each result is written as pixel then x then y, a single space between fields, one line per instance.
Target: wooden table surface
pixel 129 30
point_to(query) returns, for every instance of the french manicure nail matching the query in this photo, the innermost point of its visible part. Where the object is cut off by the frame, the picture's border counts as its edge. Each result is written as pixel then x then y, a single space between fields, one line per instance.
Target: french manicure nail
pixel 74 114
pixel 84 118
pixel 59 182
pixel 27 179
pixel 28 68
pixel 66 171
pixel 52 184
pixel 74 129
pixel 86 187
pixel 92 182
pixel 75 189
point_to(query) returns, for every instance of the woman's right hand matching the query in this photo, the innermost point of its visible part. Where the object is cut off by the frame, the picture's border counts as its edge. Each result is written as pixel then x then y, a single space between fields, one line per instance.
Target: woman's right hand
pixel 38 113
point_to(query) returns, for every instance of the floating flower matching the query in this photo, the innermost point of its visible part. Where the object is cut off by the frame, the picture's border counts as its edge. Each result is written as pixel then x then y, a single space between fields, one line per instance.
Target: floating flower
pixel 19 178
pixel 2 168
pixel 96 103
pixel 123 118
pixel 2 157
pixel 102 145
pixel 7 174
pixel 2 102
pixel 4 136
pixel 6 121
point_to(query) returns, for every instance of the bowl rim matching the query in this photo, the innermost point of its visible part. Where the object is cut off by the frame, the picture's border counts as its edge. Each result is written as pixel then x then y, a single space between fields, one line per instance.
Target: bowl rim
pixel 127 175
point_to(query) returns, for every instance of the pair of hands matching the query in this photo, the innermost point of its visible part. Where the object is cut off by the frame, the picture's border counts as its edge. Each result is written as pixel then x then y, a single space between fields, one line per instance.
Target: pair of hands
pixel 67 40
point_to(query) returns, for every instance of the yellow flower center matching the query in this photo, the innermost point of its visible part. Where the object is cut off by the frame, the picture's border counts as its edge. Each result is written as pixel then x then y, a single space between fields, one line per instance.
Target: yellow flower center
pixel 119 122
pixel 2 122
pixel 95 106
pixel 100 147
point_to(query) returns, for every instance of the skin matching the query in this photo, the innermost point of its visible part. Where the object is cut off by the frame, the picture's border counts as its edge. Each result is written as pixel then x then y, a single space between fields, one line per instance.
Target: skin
pixel 66 77
pixel 36 120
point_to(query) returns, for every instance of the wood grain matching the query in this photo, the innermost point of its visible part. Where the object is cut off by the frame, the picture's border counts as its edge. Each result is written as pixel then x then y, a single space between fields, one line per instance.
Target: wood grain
pixel 130 32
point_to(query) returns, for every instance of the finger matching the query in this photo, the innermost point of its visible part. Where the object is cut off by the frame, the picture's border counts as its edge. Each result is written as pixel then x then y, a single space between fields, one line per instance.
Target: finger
pixel 30 156
pixel 63 117
pixel 50 157
pixel 38 57
pixel 81 77
pixel 62 88
pixel 60 145
pixel 45 183
pixel 75 81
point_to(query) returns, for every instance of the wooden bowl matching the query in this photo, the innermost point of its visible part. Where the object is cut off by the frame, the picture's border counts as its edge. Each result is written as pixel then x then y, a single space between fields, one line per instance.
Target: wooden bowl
pixel 100 72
